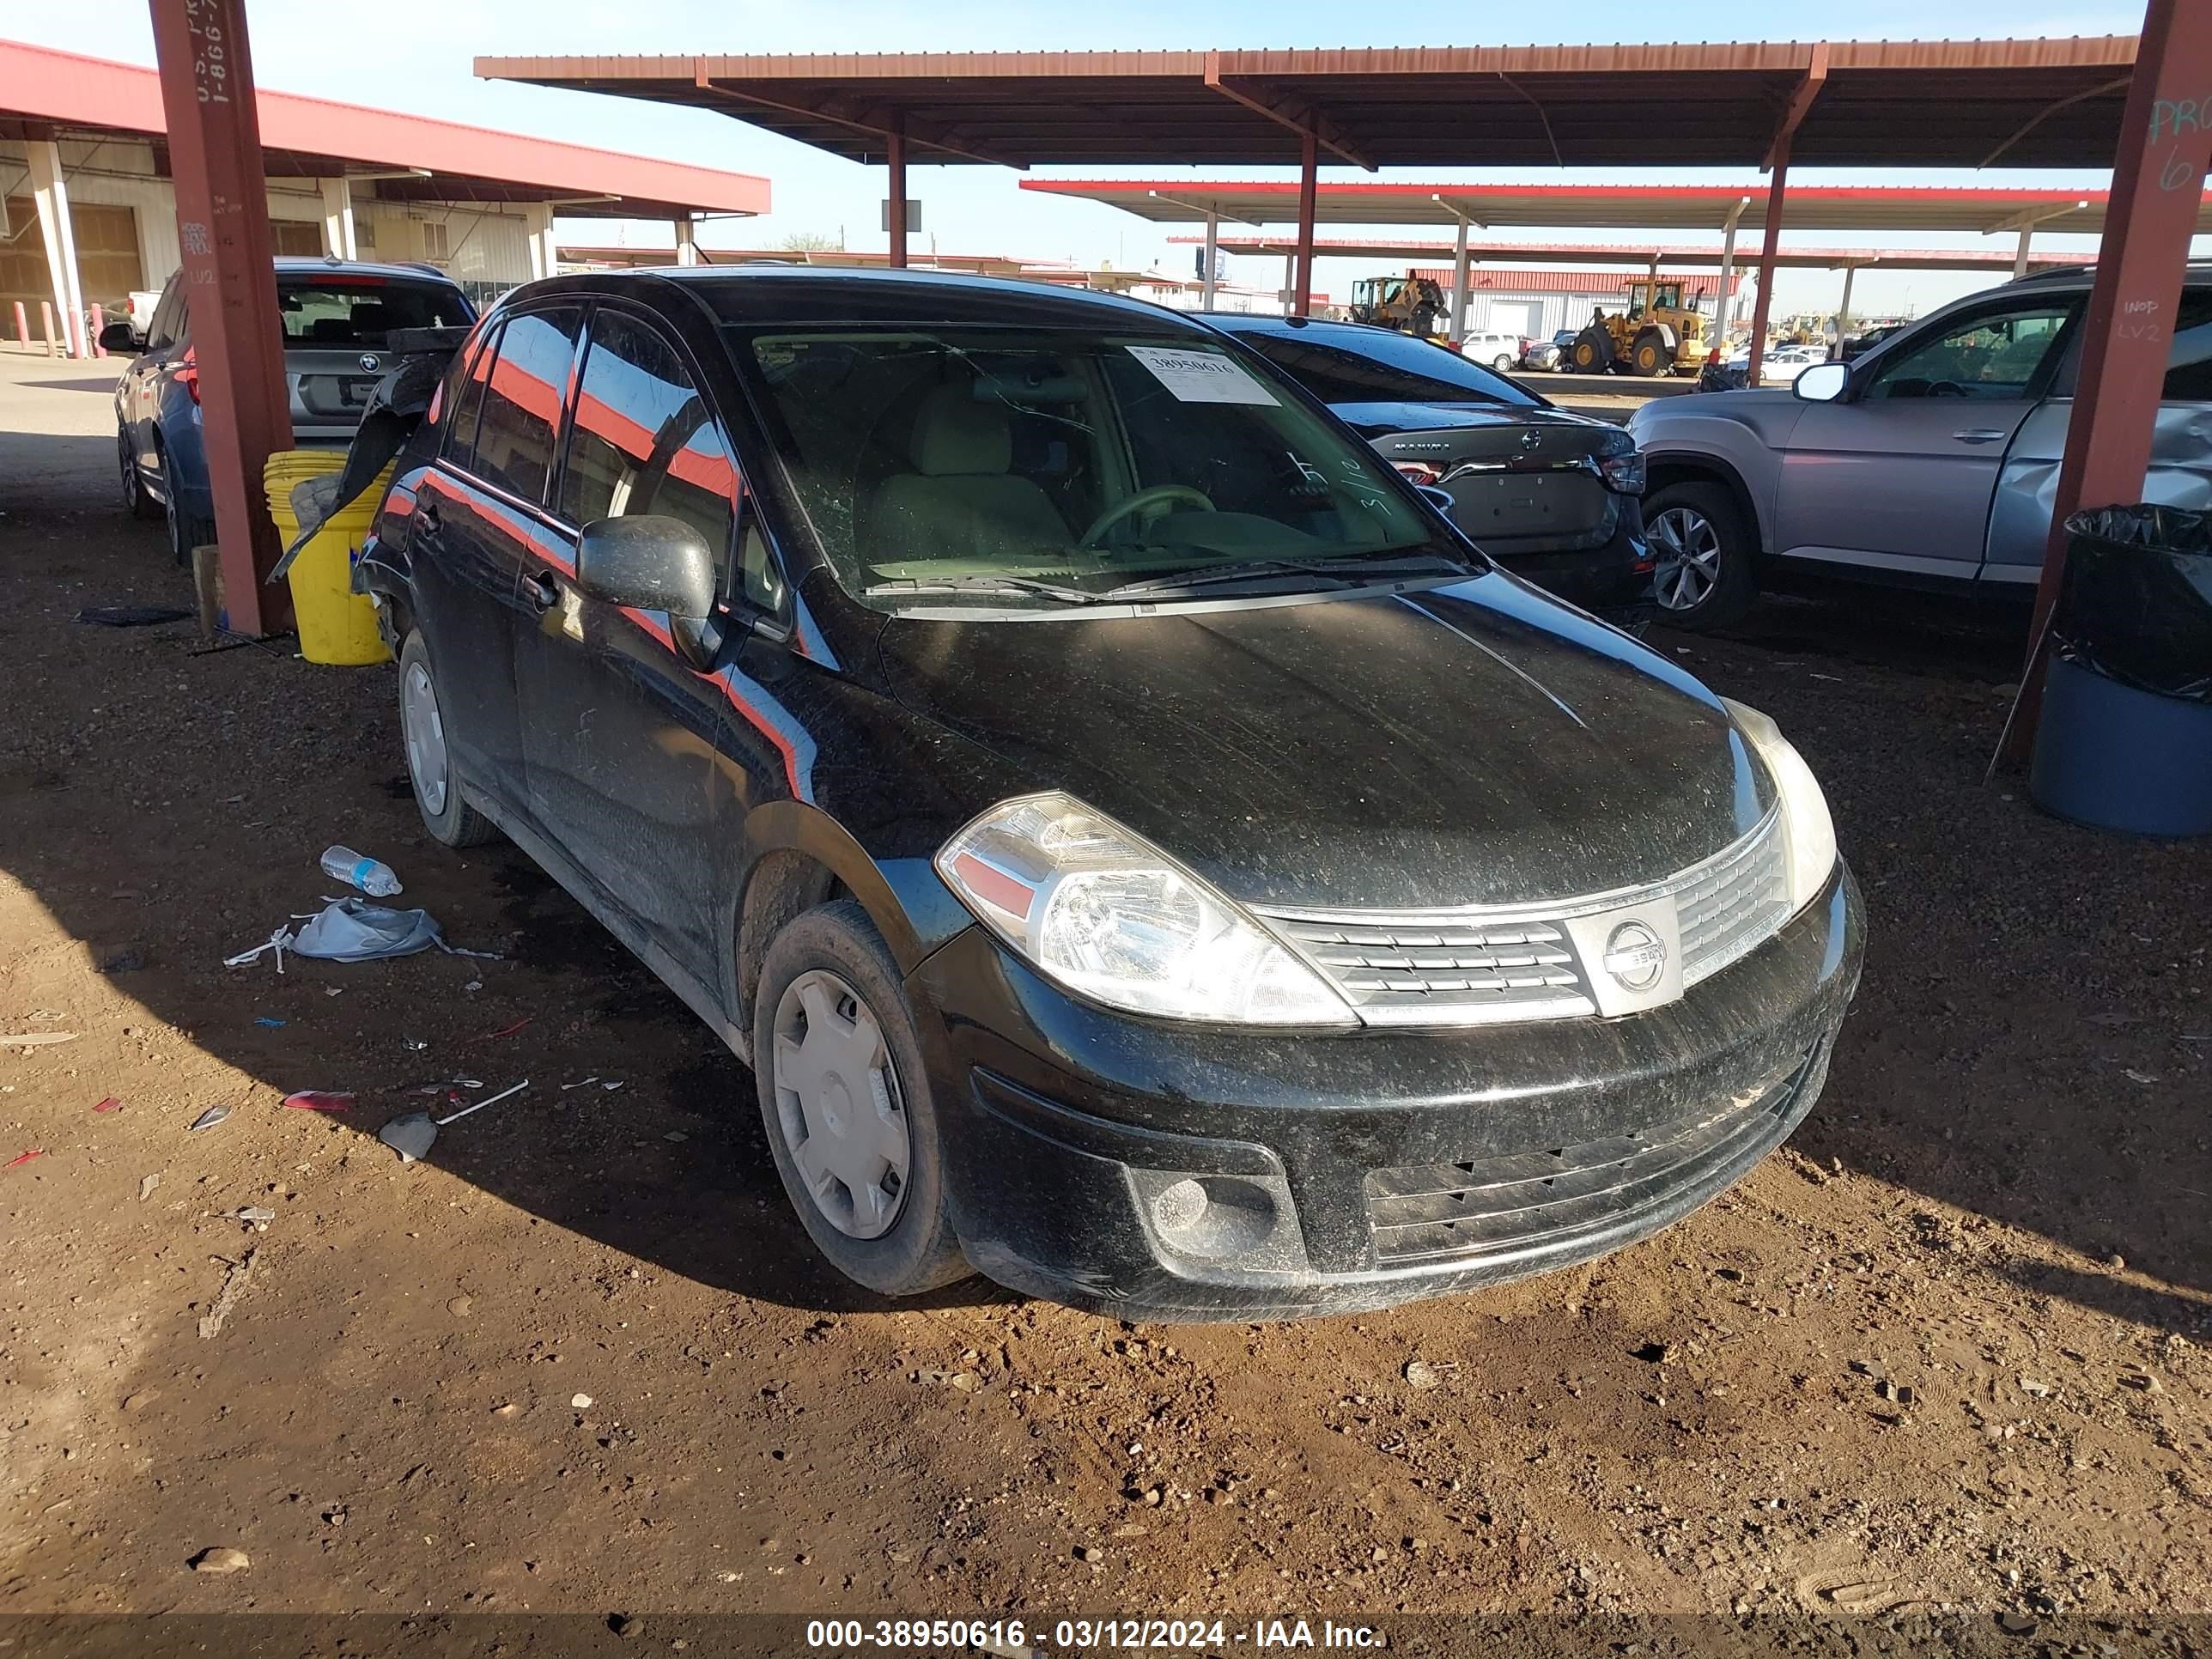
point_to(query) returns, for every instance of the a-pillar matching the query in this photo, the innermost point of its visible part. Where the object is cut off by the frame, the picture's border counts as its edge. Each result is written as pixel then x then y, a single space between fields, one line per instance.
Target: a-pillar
pixel 537 225
pixel 230 270
pixel 51 195
pixel 1308 166
pixel 687 243
pixel 338 220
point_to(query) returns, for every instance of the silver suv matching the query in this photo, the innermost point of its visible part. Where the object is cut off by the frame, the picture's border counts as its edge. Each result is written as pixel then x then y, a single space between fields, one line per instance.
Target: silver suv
pixel 1929 461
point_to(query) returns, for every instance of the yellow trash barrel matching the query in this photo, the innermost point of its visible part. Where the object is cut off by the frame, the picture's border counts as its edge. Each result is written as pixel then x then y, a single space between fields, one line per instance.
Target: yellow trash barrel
pixel 337 625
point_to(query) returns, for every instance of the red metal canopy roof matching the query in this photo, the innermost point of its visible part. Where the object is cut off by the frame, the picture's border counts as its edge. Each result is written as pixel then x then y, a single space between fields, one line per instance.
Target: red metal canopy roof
pixel 1971 103
pixel 1640 207
pixel 1637 258
pixel 45 93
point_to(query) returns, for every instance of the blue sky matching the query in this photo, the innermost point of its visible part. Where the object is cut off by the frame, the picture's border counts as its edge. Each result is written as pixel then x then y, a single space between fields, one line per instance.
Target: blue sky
pixel 303 45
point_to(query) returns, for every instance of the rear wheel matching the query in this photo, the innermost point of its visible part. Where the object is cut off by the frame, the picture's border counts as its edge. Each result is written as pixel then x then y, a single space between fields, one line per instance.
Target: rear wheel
pixel 446 812
pixel 846 1103
pixel 186 530
pixel 1702 544
pixel 137 501
pixel 1647 356
pixel 1502 362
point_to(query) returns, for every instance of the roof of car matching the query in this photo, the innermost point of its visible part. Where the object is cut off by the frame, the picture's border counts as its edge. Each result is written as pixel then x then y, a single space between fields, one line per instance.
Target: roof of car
pixel 300 265
pixel 766 293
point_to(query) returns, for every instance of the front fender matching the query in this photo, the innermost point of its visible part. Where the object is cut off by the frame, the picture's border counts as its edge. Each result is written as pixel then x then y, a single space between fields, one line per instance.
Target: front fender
pixel 1736 435
pixel 909 904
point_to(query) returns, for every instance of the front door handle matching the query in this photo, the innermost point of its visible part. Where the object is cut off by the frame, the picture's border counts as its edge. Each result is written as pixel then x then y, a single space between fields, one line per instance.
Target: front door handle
pixel 544 592
pixel 1981 434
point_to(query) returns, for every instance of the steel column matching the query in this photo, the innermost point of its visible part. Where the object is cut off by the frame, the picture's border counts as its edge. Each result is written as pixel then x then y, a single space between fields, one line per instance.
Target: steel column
pixel 895 159
pixel 687 243
pixel 2019 253
pixel 1724 299
pixel 1213 258
pixel 1843 309
pixel 1302 285
pixel 338 220
pixel 50 194
pixel 230 266
pixel 538 229
pixel 2127 332
pixel 1764 306
pixel 1459 285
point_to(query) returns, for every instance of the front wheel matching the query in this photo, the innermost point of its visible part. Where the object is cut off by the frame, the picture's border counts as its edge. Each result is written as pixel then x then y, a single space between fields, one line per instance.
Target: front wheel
pixel 137 501
pixel 1589 355
pixel 1702 544
pixel 846 1105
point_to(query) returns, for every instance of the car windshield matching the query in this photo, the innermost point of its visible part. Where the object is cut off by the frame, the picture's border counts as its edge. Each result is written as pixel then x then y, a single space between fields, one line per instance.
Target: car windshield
pixel 1025 467
pixel 1341 365
pixel 362 311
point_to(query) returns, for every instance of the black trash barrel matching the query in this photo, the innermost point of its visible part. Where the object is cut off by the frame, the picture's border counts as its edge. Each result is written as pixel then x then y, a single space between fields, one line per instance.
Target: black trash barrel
pixel 2125 737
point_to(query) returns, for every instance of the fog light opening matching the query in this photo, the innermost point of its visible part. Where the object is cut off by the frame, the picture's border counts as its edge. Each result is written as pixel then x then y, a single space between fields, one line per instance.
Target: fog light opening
pixel 1179 1208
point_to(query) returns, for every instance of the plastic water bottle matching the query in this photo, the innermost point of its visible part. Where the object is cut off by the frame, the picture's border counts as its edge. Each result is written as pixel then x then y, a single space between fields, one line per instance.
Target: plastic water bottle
pixel 373 876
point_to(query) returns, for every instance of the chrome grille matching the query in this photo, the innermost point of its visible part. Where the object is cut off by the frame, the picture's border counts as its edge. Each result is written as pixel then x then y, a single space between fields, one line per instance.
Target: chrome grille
pixel 1396 970
pixel 1518 962
pixel 1730 905
pixel 1496 1205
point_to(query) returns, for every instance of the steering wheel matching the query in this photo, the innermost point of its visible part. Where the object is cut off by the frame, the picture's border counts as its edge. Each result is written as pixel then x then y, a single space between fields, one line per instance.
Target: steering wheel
pixel 1144 501
pixel 1945 389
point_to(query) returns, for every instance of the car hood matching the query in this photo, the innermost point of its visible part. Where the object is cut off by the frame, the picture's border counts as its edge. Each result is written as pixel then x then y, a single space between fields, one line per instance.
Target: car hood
pixel 1475 743
pixel 1375 420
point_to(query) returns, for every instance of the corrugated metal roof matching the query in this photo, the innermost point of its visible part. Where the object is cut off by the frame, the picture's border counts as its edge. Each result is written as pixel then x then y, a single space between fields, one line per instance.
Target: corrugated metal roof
pixel 2030 103
pixel 311 138
pixel 1671 258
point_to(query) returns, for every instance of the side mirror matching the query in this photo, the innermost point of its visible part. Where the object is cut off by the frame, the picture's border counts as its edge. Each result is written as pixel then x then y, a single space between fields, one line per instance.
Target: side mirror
pixel 1823 383
pixel 121 338
pixel 652 563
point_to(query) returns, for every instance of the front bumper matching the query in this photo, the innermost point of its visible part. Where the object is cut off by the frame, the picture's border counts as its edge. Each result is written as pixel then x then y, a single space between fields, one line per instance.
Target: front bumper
pixel 1355 1169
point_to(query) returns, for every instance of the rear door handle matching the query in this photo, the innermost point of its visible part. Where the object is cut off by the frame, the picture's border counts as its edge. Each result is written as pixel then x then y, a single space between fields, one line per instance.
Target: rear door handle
pixel 545 593
pixel 1981 434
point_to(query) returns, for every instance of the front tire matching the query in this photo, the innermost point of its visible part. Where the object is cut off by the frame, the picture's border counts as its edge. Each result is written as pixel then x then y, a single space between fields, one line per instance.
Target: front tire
pixel 1704 546
pixel 1591 353
pixel 446 811
pixel 846 1102
pixel 137 501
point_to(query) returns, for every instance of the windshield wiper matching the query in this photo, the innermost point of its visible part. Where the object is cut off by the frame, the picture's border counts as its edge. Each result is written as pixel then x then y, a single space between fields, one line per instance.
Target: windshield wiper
pixel 982 585
pixel 1345 570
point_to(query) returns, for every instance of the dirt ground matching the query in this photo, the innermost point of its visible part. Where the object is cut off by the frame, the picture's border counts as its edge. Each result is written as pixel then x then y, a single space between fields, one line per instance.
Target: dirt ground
pixel 1945 1350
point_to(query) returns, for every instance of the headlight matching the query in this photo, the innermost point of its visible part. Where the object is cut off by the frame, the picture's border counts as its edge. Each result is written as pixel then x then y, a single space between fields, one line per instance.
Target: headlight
pixel 1107 915
pixel 1807 828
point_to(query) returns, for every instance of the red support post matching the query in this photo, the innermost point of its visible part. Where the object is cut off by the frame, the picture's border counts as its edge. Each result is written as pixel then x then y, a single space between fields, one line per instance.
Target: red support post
pixel 1775 193
pixel 1301 284
pixel 895 153
pixel 229 263
pixel 46 322
pixel 23 327
pixel 2127 332
pixel 98 327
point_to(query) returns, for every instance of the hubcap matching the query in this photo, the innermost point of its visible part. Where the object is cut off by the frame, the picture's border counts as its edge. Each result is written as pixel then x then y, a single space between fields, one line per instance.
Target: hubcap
pixel 1688 551
pixel 426 737
pixel 837 1100
pixel 132 487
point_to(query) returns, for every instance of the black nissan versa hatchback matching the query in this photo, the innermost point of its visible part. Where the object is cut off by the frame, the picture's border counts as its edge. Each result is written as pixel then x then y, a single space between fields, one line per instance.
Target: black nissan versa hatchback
pixel 1147 855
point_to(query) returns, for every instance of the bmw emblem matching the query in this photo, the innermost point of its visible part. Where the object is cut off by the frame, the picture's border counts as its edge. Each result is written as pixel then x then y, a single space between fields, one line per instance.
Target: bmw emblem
pixel 371 361
pixel 1635 955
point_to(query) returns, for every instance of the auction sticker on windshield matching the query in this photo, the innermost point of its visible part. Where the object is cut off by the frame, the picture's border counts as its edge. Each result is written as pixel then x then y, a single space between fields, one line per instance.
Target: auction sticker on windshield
pixel 1200 377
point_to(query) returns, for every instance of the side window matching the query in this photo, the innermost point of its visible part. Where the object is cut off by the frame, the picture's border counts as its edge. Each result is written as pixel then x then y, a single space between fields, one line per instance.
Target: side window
pixel 1990 356
pixel 644 440
pixel 763 585
pixel 521 413
pixel 2189 370
pixel 464 397
pixel 162 330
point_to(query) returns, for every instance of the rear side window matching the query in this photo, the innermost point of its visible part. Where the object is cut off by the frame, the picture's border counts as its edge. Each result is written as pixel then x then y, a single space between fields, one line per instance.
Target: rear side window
pixel 643 439
pixel 463 398
pixel 1386 368
pixel 172 321
pixel 521 402
pixel 2188 372
pixel 362 311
